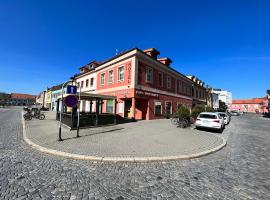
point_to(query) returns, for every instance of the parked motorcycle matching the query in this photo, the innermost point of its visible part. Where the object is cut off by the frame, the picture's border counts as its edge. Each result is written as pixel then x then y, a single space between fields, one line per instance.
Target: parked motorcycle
pixel 33 113
pixel 27 116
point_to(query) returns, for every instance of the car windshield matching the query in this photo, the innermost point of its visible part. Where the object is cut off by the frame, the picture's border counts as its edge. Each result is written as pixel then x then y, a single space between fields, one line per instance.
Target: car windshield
pixel 208 116
pixel 222 115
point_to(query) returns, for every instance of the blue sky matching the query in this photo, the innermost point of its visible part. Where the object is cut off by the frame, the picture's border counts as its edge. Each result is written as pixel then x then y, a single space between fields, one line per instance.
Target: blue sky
pixel 224 43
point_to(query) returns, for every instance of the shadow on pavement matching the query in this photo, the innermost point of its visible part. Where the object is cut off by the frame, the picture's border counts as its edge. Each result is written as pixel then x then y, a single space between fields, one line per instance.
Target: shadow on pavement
pixel 91 134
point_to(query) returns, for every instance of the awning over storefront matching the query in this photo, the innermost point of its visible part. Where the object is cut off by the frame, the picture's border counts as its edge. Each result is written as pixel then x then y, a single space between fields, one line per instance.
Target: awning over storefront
pixel 90 96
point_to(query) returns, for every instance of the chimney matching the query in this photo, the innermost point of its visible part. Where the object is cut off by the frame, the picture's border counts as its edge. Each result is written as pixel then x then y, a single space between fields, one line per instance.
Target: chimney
pixel 165 61
pixel 152 52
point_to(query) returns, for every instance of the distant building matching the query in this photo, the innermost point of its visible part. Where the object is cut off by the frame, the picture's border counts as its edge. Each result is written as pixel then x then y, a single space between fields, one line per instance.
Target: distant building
pixel 255 105
pixel 224 96
pixel 215 100
pixel 48 99
pixel 17 99
pixel 40 99
pixel 268 98
pixel 56 91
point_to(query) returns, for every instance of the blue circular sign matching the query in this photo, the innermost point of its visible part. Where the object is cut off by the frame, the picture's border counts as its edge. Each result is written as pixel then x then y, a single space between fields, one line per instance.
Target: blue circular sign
pixel 70 101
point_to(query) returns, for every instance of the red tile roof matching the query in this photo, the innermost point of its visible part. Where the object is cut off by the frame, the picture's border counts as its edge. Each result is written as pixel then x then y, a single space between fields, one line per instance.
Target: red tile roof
pixel 250 101
pixel 22 96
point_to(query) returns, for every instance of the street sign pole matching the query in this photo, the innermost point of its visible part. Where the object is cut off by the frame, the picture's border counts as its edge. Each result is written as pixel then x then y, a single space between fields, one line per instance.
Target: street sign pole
pixel 78 122
pixel 61 110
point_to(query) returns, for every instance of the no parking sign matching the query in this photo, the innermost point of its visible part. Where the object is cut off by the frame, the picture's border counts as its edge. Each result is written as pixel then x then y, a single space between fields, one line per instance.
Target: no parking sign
pixel 71 101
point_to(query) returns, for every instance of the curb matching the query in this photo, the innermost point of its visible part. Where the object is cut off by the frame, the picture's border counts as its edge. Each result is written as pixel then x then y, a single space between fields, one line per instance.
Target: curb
pixel 117 159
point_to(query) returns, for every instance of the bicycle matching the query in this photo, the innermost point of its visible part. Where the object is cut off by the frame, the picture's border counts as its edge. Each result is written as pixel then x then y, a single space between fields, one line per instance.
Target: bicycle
pixel 180 122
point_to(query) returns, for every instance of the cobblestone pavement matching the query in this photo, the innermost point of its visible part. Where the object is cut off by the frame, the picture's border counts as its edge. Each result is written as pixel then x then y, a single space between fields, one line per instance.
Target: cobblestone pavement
pixel 141 139
pixel 239 171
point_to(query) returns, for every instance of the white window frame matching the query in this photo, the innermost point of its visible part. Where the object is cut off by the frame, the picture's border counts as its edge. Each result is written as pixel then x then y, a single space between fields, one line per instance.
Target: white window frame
pixel 169 78
pixel 102 75
pixel 148 69
pixel 110 81
pixel 91 85
pixel 118 74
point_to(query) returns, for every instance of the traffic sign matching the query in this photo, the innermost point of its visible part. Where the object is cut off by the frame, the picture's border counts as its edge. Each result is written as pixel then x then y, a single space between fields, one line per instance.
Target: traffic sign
pixel 70 101
pixel 71 89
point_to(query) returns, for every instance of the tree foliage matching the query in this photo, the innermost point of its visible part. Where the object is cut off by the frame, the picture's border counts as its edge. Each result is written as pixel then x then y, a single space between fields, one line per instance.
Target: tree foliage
pixel 222 106
pixel 183 112
pixel 197 110
pixel 209 109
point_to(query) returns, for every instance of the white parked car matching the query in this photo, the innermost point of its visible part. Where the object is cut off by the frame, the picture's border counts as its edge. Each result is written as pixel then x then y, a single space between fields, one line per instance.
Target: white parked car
pixel 226 118
pixel 210 120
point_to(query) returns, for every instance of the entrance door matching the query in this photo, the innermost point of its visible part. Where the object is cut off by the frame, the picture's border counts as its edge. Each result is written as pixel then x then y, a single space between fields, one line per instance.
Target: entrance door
pixel 141 108
pixel 128 104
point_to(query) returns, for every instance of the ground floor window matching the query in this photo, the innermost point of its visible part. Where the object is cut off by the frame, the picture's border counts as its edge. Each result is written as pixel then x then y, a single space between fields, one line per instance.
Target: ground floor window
pixel 168 107
pixel 109 106
pixel 179 105
pixel 158 108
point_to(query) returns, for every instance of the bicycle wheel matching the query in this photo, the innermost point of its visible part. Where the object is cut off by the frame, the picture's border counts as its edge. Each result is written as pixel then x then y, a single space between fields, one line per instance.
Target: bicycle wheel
pixel 184 123
pixel 41 117
pixel 174 121
pixel 27 117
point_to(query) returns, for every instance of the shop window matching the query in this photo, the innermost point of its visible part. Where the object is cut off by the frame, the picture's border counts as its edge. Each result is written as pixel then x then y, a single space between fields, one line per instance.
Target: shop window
pixel 149 74
pixel 102 79
pixel 110 80
pixel 158 108
pixel 121 74
pixel 109 106
pixel 168 108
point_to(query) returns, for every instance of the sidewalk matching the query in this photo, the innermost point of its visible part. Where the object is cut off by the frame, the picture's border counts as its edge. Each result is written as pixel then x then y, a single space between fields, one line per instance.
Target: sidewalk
pixel 138 141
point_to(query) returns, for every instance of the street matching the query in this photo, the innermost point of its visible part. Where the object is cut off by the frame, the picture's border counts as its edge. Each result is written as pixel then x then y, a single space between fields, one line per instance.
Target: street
pixel 238 171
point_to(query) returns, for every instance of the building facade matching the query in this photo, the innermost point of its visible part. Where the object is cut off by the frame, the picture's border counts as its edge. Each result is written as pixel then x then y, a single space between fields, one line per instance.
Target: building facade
pixel 268 98
pixel 199 92
pixel 255 105
pixel 224 96
pixel 146 86
pixel 17 99
pixel 48 99
pixel 40 99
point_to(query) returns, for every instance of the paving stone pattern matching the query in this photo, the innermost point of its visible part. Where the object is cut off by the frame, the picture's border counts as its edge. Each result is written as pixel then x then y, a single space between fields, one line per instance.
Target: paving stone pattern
pixel 139 139
pixel 239 171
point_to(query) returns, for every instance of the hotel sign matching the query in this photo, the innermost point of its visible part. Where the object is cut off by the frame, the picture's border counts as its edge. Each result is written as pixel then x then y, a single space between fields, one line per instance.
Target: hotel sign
pixel 145 93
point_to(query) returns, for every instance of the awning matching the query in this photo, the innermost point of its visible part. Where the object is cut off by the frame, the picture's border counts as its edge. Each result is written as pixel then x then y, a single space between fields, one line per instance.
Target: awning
pixel 91 96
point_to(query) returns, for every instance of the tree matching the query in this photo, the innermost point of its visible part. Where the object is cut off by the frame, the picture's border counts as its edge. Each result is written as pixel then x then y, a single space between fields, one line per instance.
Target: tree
pixel 183 112
pixel 209 109
pixel 4 98
pixel 197 110
pixel 222 106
